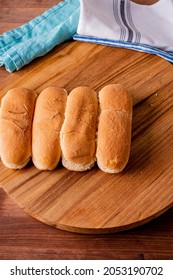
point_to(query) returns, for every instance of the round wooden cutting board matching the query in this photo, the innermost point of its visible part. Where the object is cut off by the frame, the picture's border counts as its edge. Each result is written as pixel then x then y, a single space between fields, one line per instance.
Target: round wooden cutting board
pixel 93 201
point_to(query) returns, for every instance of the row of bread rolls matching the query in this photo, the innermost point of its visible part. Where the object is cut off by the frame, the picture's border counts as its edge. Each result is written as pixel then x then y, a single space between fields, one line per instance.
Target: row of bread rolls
pixel 81 127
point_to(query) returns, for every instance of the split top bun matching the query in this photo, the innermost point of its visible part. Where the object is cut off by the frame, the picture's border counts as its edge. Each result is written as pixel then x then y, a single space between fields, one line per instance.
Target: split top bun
pixel 78 132
pixel 48 119
pixel 114 128
pixel 16 114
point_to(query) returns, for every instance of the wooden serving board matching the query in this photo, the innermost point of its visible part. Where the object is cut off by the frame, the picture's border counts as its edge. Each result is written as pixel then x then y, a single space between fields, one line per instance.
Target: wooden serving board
pixel 93 201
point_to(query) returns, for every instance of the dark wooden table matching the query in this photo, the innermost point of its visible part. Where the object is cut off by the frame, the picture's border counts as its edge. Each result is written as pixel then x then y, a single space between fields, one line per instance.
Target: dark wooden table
pixel 22 237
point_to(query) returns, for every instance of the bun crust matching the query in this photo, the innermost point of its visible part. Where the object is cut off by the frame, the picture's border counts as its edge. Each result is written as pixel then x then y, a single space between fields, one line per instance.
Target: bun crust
pixel 78 132
pixel 16 114
pixel 48 119
pixel 114 128
pixel 58 125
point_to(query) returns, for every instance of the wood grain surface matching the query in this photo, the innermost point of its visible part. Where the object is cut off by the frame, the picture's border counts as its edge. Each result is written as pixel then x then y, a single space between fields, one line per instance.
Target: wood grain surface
pixel 93 201
pixel 24 237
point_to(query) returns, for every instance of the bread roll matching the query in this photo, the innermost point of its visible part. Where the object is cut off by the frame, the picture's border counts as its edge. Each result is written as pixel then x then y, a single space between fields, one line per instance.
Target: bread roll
pixel 16 115
pixel 48 119
pixel 114 128
pixel 77 136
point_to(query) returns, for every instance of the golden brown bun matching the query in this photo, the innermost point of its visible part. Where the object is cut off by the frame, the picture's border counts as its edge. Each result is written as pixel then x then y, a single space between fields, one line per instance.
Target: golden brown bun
pixel 114 128
pixel 48 119
pixel 77 136
pixel 115 97
pixel 17 108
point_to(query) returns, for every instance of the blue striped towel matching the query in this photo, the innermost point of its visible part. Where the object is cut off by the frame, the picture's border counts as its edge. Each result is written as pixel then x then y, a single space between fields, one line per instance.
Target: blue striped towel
pixel 125 24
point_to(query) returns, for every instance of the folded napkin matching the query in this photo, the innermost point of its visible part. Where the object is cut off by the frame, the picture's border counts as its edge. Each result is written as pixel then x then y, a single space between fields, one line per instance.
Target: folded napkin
pixel 125 24
pixel 20 46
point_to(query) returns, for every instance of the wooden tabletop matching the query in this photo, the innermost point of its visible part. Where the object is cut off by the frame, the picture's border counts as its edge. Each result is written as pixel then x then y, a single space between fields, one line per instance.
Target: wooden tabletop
pixel 23 237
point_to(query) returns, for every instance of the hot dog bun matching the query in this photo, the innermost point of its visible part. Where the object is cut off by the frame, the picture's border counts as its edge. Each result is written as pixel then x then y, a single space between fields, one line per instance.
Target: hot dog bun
pixel 114 128
pixel 77 136
pixel 48 119
pixel 16 114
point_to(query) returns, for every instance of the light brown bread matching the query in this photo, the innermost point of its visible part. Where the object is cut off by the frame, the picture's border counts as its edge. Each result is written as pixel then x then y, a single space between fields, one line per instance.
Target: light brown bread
pixel 114 128
pixel 16 114
pixel 77 136
pixel 48 119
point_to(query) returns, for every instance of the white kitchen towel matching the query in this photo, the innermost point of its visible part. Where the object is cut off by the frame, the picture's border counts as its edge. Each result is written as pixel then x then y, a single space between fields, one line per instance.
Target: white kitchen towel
pixel 123 23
